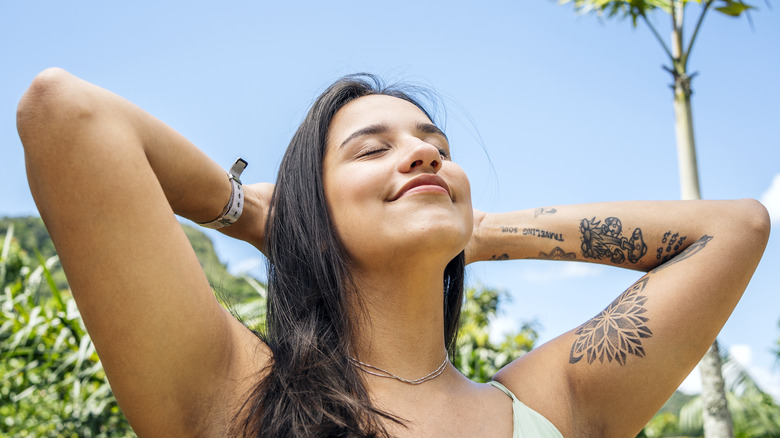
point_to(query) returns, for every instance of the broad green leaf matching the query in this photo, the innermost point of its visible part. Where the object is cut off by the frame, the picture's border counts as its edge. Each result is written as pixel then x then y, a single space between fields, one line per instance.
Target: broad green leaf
pixel 734 9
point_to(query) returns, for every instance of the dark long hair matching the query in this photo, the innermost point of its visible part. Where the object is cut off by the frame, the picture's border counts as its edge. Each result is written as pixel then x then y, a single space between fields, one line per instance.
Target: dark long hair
pixel 310 389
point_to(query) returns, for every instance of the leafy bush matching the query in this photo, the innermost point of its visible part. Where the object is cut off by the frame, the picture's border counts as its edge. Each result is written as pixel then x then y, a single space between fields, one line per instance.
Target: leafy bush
pixel 475 355
pixel 53 383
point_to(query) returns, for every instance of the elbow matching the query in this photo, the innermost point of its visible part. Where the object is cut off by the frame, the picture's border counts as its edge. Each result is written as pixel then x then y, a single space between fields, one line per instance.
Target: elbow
pixel 48 107
pixel 37 102
pixel 755 221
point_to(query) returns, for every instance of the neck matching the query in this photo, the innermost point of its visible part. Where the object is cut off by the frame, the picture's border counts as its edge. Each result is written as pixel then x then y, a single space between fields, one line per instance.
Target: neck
pixel 401 326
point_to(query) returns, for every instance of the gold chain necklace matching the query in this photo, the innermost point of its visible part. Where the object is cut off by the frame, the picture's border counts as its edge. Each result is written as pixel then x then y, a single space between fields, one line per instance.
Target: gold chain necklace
pixel 366 368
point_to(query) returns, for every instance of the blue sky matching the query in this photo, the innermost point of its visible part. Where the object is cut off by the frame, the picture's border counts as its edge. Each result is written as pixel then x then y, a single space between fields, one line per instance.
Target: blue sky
pixel 569 109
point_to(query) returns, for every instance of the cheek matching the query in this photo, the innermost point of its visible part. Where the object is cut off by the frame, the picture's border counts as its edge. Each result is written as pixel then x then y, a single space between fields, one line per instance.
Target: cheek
pixel 463 197
pixel 353 200
pixel 460 183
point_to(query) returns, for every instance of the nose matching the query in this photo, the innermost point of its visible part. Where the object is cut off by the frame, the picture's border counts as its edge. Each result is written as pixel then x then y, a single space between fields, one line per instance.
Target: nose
pixel 421 156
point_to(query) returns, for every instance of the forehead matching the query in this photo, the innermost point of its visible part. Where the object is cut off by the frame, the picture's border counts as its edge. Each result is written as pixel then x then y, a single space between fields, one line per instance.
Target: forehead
pixel 370 110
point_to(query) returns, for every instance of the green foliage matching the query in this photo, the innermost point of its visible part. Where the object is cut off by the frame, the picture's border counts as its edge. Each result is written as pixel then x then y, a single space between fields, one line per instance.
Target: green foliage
pixel 640 9
pixel 662 425
pixel 754 413
pixel 733 8
pixel 635 9
pixel 477 357
pixel 666 423
pixel 30 235
pixel 53 384
pixel 249 310
pixel 619 8
pixel 238 288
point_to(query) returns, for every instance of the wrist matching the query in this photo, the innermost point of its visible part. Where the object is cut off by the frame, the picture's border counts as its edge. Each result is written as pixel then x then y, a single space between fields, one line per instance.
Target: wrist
pixel 235 205
pixel 475 247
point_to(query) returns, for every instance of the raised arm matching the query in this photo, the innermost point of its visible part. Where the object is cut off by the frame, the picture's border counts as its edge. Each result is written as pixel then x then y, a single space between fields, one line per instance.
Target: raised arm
pixel 633 235
pixel 608 376
pixel 107 178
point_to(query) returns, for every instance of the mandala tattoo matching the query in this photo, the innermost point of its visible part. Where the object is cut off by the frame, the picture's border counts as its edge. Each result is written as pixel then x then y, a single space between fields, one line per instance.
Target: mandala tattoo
pixel 669 246
pixel 606 241
pixel 688 252
pixel 557 254
pixel 616 332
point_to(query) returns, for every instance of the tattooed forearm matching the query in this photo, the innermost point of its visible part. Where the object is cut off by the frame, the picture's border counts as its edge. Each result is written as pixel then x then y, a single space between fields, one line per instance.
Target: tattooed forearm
pixel 503 256
pixel 616 332
pixel 544 210
pixel 557 254
pixel 542 233
pixel 688 252
pixel 533 232
pixel 669 246
pixel 600 241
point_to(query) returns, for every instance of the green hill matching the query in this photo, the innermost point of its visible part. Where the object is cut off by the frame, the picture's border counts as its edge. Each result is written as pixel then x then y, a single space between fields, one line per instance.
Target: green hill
pixel 31 235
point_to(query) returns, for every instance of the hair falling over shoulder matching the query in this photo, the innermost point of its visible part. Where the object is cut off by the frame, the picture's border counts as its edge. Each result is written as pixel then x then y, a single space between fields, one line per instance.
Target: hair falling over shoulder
pixel 310 389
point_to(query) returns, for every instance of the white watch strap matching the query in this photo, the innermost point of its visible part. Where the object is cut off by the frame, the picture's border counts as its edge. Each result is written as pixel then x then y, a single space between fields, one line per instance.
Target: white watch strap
pixel 235 205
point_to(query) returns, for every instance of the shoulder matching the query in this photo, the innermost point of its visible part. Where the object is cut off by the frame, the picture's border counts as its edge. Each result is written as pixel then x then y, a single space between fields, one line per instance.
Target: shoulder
pixel 541 381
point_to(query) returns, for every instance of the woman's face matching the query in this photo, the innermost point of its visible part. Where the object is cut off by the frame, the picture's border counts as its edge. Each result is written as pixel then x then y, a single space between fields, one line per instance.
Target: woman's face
pixel 392 190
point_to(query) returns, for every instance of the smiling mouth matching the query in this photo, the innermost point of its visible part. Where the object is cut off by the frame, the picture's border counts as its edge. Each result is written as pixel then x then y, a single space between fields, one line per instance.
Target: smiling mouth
pixel 432 184
pixel 426 189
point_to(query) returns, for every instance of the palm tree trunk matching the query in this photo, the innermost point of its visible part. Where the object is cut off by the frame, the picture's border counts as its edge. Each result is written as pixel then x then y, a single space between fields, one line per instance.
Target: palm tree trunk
pixel 686 146
pixel 717 420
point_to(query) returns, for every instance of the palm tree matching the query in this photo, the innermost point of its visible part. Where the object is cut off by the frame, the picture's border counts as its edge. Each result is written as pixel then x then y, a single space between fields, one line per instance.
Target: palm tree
pixel 755 412
pixel 717 422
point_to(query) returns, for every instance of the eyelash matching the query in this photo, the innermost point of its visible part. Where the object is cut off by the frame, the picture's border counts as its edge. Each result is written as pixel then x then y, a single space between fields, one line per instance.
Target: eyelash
pixel 372 150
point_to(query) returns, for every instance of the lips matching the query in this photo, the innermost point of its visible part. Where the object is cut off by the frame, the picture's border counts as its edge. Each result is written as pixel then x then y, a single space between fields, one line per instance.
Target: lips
pixel 422 182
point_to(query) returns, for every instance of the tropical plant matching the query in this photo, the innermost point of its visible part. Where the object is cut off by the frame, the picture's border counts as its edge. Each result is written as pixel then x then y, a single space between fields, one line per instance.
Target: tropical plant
pixel 717 421
pixel 664 424
pixel 755 412
pixel 53 383
pixel 475 355
pixel 31 235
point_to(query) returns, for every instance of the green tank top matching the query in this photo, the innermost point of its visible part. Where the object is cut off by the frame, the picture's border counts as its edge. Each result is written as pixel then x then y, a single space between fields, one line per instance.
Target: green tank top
pixel 527 422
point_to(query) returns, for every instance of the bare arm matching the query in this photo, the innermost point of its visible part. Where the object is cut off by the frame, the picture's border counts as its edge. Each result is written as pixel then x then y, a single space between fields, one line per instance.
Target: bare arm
pixel 633 235
pixel 107 178
pixel 608 376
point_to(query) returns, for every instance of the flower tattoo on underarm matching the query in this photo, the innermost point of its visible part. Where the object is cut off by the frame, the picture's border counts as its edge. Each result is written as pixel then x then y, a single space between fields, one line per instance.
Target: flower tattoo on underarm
pixel 616 332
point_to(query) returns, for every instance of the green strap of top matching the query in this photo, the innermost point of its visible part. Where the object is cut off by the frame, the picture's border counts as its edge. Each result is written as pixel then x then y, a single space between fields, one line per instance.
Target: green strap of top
pixel 527 422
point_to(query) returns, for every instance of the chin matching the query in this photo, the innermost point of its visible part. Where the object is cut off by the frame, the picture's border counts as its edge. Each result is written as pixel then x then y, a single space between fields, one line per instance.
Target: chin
pixel 438 237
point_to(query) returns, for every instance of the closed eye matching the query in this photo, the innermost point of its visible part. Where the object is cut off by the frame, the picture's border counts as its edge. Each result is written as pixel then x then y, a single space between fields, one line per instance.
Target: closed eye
pixel 371 150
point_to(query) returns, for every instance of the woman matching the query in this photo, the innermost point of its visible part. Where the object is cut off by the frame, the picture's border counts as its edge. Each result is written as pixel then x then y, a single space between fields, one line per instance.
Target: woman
pixel 369 221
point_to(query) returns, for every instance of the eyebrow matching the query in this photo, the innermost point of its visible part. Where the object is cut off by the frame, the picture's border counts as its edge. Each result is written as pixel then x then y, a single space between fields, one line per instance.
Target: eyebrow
pixel 381 128
pixel 430 128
